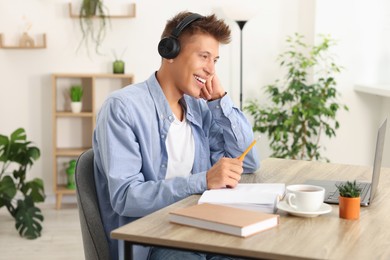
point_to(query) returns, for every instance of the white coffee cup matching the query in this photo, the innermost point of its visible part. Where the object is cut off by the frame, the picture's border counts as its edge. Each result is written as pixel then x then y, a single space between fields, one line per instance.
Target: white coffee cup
pixel 306 198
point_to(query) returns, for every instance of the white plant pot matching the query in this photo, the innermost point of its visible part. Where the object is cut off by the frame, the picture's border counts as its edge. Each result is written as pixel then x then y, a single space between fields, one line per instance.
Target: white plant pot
pixel 76 107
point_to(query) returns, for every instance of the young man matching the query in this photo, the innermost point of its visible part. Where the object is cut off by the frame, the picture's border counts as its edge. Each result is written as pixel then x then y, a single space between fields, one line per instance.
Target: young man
pixel 174 135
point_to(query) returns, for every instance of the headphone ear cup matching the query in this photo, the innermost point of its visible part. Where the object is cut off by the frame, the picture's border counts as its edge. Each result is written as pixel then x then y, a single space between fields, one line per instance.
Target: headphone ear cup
pixel 169 47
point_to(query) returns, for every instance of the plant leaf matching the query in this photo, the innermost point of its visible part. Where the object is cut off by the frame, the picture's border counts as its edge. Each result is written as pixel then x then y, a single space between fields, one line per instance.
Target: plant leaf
pixel 7 189
pixel 28 219
pixel 18 135
pixel 35 190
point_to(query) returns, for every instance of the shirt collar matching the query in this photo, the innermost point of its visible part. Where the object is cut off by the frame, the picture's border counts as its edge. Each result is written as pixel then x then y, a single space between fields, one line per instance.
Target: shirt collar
pixel 161 103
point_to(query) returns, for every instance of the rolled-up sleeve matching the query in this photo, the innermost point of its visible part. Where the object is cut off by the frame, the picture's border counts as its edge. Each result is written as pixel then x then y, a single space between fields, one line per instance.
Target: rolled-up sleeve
pixel 231 133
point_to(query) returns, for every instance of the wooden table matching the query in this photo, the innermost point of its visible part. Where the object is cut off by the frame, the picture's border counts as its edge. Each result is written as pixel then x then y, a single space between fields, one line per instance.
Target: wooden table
pixel 323 237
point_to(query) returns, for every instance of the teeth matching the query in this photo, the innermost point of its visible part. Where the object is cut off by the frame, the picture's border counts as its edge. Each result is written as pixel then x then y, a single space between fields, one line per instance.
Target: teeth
pixel 200 79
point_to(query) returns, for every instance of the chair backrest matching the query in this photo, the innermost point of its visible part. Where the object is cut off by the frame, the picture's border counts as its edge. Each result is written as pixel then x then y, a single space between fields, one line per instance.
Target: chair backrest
pixel 92 230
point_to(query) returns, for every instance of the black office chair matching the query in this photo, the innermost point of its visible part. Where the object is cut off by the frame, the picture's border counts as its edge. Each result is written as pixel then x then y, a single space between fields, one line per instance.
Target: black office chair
pixel 94 239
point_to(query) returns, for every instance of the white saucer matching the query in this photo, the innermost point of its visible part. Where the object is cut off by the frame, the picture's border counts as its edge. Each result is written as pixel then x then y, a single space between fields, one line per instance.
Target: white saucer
pixel 324 209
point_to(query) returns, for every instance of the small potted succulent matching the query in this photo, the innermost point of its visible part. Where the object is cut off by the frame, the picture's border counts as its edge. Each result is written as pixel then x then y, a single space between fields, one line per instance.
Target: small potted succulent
pixel 76 94
pixel 349 200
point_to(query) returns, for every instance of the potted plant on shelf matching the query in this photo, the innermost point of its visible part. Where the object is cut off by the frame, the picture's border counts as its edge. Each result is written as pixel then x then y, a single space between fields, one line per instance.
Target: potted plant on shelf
pixel 93 33
pixel 349 200
pixel 18 194
pixel 118 65
pixel 70 171
pixel 304 106
pixel 76 94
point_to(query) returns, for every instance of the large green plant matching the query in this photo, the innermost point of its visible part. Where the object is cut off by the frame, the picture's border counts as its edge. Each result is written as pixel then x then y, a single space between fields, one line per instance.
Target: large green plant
pixel 304 104
pixel 16 193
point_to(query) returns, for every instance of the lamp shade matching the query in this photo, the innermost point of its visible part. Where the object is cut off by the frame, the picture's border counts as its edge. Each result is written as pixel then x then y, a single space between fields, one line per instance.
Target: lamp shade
pixel 239 13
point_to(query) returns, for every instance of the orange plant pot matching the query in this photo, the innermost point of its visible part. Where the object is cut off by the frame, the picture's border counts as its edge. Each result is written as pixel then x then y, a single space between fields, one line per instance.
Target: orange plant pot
pixel 349 208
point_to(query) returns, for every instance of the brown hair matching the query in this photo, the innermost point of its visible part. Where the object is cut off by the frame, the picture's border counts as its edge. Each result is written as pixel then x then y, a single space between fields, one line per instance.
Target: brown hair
pixel 208 24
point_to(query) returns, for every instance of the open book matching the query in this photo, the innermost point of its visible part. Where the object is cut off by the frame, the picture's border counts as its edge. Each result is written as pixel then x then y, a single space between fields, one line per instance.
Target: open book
pixel 234 221
pixel 253 196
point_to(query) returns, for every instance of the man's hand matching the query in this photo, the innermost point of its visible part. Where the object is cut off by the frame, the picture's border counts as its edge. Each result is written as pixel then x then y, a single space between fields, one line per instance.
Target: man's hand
pixel 225 173
pixel 213 89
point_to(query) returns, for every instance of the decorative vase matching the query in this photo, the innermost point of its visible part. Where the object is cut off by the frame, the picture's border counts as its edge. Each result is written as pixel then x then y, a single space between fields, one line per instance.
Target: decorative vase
pixel 76 107
pixel 349 208
pixel 26 40
pixel 118 67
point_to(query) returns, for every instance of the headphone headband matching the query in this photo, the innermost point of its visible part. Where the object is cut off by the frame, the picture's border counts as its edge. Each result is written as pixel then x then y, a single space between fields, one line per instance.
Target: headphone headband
pixel 184 23
pixel 169 47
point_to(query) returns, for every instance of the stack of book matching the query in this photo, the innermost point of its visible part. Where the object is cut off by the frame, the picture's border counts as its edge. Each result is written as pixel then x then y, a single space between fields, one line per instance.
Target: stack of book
pixel 242 211
pixel 229 220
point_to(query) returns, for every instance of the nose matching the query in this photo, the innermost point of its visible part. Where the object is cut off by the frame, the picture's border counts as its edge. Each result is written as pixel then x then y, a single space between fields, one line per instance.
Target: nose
pixel 210 67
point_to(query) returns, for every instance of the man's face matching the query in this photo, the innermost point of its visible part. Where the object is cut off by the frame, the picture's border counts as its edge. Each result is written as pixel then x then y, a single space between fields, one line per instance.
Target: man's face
pixel 195 63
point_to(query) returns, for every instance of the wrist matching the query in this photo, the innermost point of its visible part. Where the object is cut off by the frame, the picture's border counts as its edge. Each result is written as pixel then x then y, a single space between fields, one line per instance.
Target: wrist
pixel 218 96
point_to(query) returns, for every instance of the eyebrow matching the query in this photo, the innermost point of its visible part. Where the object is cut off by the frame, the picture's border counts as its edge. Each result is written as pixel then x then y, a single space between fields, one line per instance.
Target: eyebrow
pixel 209 54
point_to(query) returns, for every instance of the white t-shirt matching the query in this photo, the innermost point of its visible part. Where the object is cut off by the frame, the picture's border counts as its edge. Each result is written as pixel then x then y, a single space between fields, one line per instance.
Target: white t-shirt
pixel 181 149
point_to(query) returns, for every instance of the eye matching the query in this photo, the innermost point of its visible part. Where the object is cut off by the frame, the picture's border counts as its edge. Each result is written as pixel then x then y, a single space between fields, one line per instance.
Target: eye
pixel 203 56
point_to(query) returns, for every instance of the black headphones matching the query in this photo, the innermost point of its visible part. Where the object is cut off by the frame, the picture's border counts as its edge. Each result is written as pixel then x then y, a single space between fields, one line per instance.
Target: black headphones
pixel 169 47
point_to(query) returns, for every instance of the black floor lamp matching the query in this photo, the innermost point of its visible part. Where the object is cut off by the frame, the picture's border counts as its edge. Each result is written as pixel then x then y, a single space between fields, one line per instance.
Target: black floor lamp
pixel 241 24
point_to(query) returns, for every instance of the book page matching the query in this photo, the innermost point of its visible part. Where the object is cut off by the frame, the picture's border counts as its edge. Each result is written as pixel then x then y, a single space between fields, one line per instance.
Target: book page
pixel 245 193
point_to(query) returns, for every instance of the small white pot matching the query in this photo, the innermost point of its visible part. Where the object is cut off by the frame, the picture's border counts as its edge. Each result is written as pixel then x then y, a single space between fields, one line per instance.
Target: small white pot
pixel 76 107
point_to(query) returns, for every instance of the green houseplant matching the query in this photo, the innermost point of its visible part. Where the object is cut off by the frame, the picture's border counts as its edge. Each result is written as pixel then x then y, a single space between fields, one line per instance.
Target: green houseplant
pixel 70 172
pixel 76 94
pixel 16 193
pixel 118 66
pixel 349 200
pixel 93 30
pixel 301 109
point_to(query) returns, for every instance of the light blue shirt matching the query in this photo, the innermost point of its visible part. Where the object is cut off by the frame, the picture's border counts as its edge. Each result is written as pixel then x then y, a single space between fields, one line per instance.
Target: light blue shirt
pixel 131 157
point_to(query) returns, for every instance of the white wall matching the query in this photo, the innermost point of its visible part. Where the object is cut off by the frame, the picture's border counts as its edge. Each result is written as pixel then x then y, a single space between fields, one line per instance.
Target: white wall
pixel 362 29
pixel 25 91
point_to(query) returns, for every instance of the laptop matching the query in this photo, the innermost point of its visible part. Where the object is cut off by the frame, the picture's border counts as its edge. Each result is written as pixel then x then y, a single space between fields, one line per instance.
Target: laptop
pixel 368 189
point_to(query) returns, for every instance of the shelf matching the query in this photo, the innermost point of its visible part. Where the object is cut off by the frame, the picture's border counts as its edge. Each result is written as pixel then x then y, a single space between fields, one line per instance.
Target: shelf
pixel 71 114
pixel 71 151
pixel 379 90
pixel 64 190
pixel 41 46
pixel 130 15
pixel 94 75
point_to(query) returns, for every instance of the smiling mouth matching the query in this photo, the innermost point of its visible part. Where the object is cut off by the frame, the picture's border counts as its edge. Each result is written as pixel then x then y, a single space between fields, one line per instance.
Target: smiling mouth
pixel 199 79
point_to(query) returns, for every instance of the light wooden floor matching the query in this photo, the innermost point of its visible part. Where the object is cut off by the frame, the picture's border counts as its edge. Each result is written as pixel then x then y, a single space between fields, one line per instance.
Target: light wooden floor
pixel 61 236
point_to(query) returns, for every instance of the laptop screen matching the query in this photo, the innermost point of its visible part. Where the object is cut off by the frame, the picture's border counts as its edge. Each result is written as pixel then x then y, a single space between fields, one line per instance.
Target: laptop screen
pixel 380 142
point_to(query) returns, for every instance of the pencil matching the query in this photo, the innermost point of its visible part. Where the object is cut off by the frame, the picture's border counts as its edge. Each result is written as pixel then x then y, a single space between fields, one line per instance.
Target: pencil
pixel 242 156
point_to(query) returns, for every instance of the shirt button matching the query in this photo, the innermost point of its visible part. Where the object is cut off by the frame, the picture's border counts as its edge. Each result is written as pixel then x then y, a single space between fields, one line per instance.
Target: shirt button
pixel 163 166
pixel 162 136
pixel 218 106
pixel 170 117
